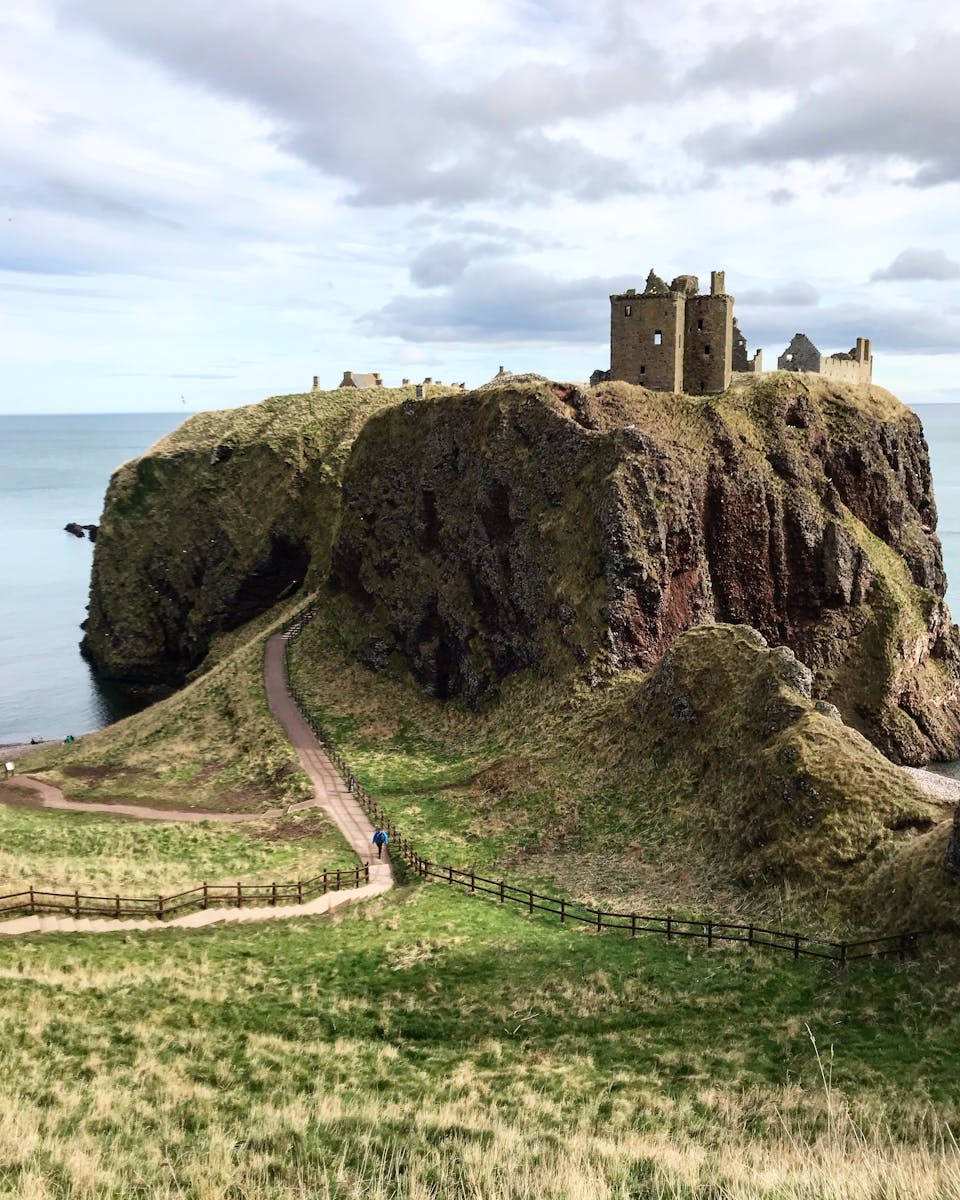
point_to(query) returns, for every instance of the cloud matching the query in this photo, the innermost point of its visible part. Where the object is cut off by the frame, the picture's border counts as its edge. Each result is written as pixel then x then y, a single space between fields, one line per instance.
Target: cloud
pixel 502 303
pixel 916 263
pixel 877 105
pixel 901 329
pixel 443 263
pixel 797 293
pixel 363 105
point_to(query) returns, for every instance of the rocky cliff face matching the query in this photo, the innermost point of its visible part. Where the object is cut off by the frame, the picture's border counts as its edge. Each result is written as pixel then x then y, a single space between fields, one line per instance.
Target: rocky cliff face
pixel 538 526
pixel 216 523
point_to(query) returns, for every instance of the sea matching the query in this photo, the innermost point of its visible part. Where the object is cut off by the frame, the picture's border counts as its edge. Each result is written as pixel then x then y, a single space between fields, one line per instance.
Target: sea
pixel 55 469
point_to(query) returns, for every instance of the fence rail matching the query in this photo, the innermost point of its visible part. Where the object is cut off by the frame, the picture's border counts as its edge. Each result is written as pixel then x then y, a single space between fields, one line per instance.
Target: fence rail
pixel 798 945
pixel 34 901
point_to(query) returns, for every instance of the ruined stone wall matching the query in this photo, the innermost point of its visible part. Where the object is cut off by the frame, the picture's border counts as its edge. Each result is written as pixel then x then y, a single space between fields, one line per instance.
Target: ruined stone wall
pixel 708 344
pixel 646 340
pixel 850 370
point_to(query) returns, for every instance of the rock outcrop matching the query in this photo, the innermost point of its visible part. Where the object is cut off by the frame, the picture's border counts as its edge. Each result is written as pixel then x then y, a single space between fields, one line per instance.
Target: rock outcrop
pixel 538 526
pixel 228 515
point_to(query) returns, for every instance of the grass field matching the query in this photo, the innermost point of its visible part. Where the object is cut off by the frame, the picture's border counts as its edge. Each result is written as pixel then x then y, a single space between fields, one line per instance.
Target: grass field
pixel 56 850
pixel 430 1044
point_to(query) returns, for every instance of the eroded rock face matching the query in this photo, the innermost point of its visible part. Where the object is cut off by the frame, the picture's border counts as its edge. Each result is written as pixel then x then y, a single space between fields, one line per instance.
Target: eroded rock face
pixel 213 526
pixel 539 526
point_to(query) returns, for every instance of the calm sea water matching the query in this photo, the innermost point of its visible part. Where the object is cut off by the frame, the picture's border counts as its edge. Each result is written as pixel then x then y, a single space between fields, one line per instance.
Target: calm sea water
pixel 55 469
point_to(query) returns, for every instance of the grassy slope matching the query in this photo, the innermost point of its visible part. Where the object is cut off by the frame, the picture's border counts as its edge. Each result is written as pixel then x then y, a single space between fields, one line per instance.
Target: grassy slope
pixel 387 1052
pixel 761 806
pixel 213 745
pixel 106 856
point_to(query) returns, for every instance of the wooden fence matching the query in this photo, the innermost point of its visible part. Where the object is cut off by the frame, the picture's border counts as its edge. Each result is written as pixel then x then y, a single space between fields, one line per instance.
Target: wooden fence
pixel 797 945
pixel 208 895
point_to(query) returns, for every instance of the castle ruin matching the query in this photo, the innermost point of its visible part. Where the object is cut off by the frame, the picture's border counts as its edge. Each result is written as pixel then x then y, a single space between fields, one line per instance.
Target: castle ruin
pixel 856 366
pixel 672 339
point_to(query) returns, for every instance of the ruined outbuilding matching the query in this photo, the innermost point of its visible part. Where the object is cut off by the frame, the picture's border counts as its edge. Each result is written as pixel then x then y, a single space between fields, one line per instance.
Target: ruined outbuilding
pixel 356 379
pixel 854 366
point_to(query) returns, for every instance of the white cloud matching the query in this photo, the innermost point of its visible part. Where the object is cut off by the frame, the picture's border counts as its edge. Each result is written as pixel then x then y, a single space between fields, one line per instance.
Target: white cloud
pixel 916 263
pixel 312 187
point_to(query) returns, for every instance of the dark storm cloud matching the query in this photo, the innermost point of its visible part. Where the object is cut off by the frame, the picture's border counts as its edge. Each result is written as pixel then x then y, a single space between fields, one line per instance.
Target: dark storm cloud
pixel 363 107
pixel 916 263
pixel 502 302
pixel 879 104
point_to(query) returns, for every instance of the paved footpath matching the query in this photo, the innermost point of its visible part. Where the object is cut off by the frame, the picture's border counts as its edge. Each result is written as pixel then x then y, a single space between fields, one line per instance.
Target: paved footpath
pixel 330 794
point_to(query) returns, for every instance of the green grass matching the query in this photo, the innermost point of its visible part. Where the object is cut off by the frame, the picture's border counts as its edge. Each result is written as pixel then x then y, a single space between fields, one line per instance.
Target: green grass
pixel 56 850
pixel 434 1044
pixel 213 745
pixel 762 808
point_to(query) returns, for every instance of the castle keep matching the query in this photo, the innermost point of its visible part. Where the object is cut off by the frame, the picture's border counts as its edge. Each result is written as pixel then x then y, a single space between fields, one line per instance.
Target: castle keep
pixel 672 339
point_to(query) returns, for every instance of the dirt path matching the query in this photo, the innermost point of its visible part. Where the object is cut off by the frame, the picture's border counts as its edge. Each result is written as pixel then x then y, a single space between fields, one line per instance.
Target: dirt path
pixel 48 795
pixel 330 794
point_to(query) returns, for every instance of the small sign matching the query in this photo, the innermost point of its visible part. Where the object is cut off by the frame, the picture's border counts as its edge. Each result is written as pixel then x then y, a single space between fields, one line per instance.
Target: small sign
pixel 9 767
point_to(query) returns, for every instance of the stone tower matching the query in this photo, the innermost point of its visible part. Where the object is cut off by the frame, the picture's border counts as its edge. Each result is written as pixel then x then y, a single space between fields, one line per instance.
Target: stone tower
pixel 672 339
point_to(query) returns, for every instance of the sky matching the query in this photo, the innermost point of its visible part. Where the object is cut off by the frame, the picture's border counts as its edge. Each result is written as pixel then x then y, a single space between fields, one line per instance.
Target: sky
pixel 205 203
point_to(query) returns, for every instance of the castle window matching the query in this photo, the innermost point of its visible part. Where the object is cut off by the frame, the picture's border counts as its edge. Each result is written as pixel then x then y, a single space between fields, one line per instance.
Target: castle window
pixel 658 338
pixel 789 358
pixel 706 352
pixel 643 370
pixel 700 325
pixel 627 310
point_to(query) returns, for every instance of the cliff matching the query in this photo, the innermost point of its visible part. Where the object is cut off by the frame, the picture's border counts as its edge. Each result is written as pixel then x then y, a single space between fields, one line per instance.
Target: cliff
pixel 538 526
pixel 216 523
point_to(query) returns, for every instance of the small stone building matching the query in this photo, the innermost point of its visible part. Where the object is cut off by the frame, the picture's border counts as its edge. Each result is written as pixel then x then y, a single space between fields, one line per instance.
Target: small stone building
pixel 356 379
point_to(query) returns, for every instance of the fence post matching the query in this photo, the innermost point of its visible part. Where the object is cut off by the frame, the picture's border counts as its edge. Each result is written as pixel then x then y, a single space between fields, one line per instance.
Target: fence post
pixel 530 895
pixel 473 882
pixel 633 924
pixel 118 908
pixel 239 894
pixel 749 935
pixel 599 919
pixel 324 883
pixel 669 930
pixel 206 896
pixel 709 934
pixel 450 874
pixel 299 891
pixel 366 872
pixel 159 908
pixel 76 905
pixel 33 907
pixel 501 891
pixel 563 910
pixel 796 945
pixel 843 954
pixel 273 894
pixel 338 879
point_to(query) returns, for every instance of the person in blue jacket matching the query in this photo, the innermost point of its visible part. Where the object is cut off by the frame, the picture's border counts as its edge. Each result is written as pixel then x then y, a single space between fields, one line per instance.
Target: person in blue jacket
pixel 380 839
